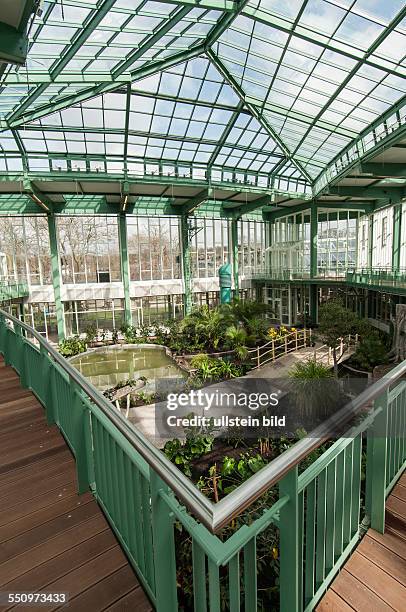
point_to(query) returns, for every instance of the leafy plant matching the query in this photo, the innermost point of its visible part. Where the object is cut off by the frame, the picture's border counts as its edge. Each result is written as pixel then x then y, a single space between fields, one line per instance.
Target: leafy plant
pixel 114 336
pixel 91 334
pixel 183 453
pixel 371 351
pixel 69 347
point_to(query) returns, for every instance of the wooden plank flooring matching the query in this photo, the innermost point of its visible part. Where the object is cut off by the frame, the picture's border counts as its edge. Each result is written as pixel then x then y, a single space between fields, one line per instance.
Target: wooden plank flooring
pixel 50 538
pixel 374 577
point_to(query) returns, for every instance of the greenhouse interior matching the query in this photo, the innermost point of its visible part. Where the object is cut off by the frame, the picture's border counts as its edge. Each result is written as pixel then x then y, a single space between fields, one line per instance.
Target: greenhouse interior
pixel 202 199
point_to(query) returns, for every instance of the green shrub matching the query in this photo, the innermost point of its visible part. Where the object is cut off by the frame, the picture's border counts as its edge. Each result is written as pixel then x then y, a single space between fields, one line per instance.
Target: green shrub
pixel 72 346
pixel 371 352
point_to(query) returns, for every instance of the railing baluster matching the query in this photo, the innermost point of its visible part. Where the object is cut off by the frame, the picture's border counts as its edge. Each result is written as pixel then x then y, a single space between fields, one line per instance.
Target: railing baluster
pixel 310 541
pixel 289 544
pixel 214 588
pixel 339 506
pixel 330 516
pixel 234 583
pixel 320 529
pixel 163 547
pixel 376 468
pixel 199 578
pixel 250 576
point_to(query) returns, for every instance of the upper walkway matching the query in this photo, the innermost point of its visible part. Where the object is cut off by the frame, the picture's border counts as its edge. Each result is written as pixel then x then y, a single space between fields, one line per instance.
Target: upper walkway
pixel 51 539
pixel 374 577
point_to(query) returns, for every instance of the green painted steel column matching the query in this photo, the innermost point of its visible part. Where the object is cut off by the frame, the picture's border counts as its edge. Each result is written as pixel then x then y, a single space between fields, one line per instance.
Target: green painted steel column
pixel 56 275
pixel 314 303
pixel 370 240
pixel 186 268
pixel 234 255
pixel 397 237
pixel 313 241
pixel 125 266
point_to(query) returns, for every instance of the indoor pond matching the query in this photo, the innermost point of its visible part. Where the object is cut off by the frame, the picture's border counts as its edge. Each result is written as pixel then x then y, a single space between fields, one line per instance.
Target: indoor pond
pixel 107 366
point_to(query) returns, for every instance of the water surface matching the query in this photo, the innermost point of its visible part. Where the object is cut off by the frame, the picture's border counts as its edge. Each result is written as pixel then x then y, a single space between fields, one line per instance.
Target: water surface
pixel 106 367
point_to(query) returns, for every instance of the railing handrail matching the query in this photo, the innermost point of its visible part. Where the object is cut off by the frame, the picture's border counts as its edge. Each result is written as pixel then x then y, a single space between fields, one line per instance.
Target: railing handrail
pixel 215 516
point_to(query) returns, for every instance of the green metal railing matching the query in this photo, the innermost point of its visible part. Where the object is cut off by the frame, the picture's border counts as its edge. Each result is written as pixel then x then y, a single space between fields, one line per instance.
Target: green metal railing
pixel 12 290
pixel 318 513
pixel 377 277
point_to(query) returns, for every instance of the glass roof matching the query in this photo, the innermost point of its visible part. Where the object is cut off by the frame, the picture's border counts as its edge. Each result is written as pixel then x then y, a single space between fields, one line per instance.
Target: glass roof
pixel 258 87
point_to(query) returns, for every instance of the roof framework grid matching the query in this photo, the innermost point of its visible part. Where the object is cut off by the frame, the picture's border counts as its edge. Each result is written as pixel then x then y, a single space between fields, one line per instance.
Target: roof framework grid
pixel 254 91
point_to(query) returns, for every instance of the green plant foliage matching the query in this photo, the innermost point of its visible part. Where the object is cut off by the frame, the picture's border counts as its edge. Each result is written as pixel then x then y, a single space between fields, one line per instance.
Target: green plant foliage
pixel 310 370
pixel 183 453
pixel 91 333
pixel 314 389
pixel 69 347
pixel 371 351
pixel 214 369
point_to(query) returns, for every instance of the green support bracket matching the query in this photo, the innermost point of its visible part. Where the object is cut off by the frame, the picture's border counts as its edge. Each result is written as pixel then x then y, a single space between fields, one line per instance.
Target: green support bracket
pixel 234 255
pixel 13 44
pixel 125 267
pixel 186 267
pixel 56 275
pixel 397 237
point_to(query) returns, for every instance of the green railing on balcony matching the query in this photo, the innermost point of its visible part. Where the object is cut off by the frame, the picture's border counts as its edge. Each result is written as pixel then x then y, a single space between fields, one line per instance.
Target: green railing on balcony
pixel 378 278
pixel 318 513
pixel 12 290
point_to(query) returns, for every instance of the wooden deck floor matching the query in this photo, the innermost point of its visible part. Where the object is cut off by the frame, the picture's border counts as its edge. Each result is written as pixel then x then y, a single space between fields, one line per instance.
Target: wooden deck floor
pixel 50 538
pixel 374 577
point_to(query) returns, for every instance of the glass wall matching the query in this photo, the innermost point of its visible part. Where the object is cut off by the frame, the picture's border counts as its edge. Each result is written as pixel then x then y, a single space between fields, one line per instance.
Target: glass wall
pixel 89 249
pixel 24 250
pixel 153 248
pixel 290 243
pixel 209 246
pixel 336 242
pixel 105 314
pixel 251 246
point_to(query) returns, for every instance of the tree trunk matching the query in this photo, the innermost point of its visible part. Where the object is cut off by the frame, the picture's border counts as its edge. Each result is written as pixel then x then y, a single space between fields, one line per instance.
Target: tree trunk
pixel 335 361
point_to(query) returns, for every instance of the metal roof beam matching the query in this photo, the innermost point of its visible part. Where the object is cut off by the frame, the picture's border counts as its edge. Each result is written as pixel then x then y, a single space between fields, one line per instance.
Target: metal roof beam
pixel 289 210
pixel 238 209
pixel 383 169
pixel 38 196
pixel 392 194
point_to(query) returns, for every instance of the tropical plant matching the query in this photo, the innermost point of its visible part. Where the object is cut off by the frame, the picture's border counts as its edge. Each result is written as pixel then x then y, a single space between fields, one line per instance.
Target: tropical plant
pixel 69 347
pixel 91 334
pixel 336 321
pixel 236 338
pixel 206 326
pixel 183 453
pixel 314 389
